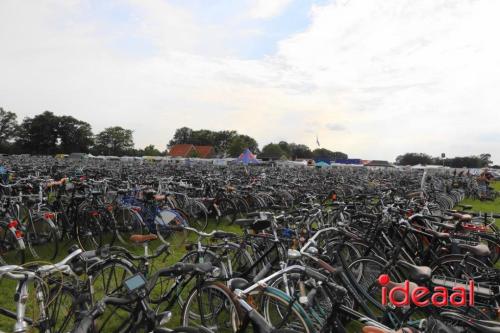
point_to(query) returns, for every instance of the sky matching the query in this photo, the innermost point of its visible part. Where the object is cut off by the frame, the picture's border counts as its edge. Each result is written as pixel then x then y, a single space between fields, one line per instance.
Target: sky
pixel 372 78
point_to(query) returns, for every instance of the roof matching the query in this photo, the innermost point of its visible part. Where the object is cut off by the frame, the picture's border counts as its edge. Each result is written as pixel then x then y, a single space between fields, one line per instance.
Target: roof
pixel 186 149
pixel 205 151
pixel 181 150
pixel 378 163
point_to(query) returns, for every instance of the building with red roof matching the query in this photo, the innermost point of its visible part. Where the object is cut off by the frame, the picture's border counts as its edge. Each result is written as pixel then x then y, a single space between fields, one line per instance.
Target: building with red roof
pixel 205 151
pixel 189 150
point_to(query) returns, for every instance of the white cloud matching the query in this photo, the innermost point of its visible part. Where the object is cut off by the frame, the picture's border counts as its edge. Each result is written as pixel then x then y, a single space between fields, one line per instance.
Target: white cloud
pixel 401 75
pixel 265 9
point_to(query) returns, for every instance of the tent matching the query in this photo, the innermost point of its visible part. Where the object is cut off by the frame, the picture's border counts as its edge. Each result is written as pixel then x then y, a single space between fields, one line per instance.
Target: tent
pixel 321 164
pixel 247 157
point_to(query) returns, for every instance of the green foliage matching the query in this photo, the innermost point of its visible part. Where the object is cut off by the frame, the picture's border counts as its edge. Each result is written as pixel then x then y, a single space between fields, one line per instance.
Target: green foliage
pixel 322 153
pixel 414 159
pixel 75 135
pixel 224 142
pixel 47 133
pixel 239 142
pixel 273 150
pixel 151 151
pixel 481 161
pixel 114 141
pixel 299 151
pixel 8 126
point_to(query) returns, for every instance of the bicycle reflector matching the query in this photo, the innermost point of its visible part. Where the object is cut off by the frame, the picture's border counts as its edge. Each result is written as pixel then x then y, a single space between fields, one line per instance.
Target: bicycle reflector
pixel 19 234
pixel 49 215
pixel 94 213
pixel 12 224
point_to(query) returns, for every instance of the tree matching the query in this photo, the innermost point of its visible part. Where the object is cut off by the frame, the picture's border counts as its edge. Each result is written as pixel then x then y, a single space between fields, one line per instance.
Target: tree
pixel 273 150
pixel 182 135
pixel 486 159
pixel 223 139
pixel 8 126
pixel 151 151
pixel 414 159
pixel 47 133
pixel 299 151
pixel 224 142
pixel 239 142
pixel 322 153
pixel 75 136
pixel 39 135
pixel 465 162
pixel 114 141
pixel 285 147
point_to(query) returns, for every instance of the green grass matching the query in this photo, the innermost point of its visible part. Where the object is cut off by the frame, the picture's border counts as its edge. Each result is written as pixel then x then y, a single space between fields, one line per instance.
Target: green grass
pixel 177 249
pixel 178 242
pixel 486 206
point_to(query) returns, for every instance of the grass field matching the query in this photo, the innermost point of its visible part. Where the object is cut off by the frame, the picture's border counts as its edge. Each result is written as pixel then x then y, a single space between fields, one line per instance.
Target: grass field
pixel 178 242
pixel 486 206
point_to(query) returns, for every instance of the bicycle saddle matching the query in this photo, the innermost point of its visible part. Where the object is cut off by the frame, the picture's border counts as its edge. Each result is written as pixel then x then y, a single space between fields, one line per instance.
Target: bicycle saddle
pixel 416 273
pixel 480 250
pixel 439 235
pixel 224 234
pixel 260 225
pixel 140 239
pixel 462 217
pixel 244 222
pixel 238 283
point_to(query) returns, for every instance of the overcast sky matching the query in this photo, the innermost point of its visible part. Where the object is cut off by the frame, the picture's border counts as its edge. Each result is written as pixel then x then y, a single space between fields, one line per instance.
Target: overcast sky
pixel 372 78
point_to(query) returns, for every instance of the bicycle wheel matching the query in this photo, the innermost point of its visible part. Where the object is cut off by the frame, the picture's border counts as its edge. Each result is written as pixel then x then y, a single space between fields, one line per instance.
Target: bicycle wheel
pixel 228 211
pixel 107 277
pixel 458 266
pixel 89 233
pixel 42 239
pixel 365 272
pixel 167 217
pixel 61 309
pixel 128 223
pixel 238 261
pixel 321 308
pixel 211 306
pixel 12 249
pixel 195 257
pixel 275 306
pixel 198 214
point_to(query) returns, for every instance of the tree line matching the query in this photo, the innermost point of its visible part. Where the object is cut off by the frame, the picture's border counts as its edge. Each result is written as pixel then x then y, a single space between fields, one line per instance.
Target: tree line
pixel 480 161
pixel 231 144
pixel 49 134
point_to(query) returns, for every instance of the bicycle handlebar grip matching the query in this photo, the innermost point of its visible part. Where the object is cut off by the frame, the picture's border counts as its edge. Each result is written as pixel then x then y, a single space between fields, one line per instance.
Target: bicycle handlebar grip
pixel 315 274
pixel 224 234
pixel 339 290
pixel 253 214
pixel 88 254
pixel 175 228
